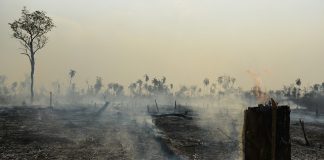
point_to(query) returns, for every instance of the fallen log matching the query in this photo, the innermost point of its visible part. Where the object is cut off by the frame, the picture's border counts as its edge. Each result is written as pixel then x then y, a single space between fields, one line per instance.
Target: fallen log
pixel 102 109
pixel 172 114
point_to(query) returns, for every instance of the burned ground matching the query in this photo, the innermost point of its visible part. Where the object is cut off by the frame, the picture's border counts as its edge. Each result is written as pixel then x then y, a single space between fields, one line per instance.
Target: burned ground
pixel 78 133
pixel 315 134
pixel 186 138
pixel 36 133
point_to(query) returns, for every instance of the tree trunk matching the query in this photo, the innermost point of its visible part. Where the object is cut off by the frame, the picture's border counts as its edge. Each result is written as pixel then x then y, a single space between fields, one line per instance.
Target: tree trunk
pixel 32 63
pixel 32 71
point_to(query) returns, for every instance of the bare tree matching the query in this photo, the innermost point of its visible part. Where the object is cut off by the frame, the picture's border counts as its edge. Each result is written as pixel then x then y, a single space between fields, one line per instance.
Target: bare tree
pixel 30 29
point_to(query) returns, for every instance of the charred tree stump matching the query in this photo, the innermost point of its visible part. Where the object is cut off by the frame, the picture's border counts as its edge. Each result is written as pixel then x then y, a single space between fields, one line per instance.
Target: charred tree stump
pixel 266 133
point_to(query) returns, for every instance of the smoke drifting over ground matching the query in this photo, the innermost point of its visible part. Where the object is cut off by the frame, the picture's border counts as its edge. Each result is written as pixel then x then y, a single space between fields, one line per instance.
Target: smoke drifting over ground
pixel 132 125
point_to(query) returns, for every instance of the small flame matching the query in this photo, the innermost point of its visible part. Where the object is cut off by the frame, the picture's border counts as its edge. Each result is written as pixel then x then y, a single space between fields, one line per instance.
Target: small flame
pixel 260 95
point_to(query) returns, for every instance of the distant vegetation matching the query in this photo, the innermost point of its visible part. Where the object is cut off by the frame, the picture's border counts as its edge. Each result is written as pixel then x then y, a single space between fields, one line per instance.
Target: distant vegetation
pixel 31 29
pixel 311 97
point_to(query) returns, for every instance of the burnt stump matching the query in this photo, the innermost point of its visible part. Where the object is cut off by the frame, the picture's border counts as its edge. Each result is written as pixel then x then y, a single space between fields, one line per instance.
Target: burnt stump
pixel 262 139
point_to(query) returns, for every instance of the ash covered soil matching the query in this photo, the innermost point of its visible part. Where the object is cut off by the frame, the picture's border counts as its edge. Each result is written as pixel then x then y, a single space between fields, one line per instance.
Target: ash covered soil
pixel 119 133
pixel 75 133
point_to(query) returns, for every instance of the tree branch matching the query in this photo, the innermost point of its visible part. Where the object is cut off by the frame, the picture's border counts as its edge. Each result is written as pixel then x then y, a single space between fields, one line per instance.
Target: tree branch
pixel 40 43
pixel 26 46
pixel 27 56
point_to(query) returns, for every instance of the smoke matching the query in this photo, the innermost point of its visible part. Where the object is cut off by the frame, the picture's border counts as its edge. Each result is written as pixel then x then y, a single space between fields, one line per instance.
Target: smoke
pixel 256 90
pixel 223 120
pixel 219 113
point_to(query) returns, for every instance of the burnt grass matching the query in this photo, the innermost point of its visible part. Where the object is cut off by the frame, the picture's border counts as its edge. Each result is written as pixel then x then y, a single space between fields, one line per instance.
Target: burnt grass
pixel 77 133
pixel 45 133
pixel 187 139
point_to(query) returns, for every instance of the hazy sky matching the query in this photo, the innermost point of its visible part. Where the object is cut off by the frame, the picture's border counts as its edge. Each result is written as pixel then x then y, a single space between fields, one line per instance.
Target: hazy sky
pixel 184 40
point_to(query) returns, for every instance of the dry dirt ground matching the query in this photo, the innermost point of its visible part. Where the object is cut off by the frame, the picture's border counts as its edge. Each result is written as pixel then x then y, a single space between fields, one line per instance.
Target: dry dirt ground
pixel 83 133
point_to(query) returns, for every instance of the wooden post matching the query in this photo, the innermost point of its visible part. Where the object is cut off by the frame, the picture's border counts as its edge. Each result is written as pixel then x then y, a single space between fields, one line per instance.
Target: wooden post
pixel 266 133
pixel 156 105
pixel 148 108
pixel 51 99
pixel 303 129
pixel 274 128
pixel 175 106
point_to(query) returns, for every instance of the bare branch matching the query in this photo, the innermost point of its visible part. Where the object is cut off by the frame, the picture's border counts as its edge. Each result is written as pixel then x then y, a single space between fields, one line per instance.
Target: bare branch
pixel 40 43
pixel 25 45
pixel 27 56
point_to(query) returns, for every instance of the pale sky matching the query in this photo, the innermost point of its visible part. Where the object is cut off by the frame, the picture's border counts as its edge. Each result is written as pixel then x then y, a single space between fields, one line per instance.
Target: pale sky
pixel 184 40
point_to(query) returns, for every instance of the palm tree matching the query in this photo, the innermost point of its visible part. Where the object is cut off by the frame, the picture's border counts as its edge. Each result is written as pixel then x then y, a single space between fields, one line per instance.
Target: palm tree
pixel 98 85
pixel 132 88
pixel 146 77
pixel 233 80
pixel 163 79
pixel 298 83
pixel 140 83
pixel 297 90
pixel 206 83
pixel 171 89
pixel 193 90
pixel 72 74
